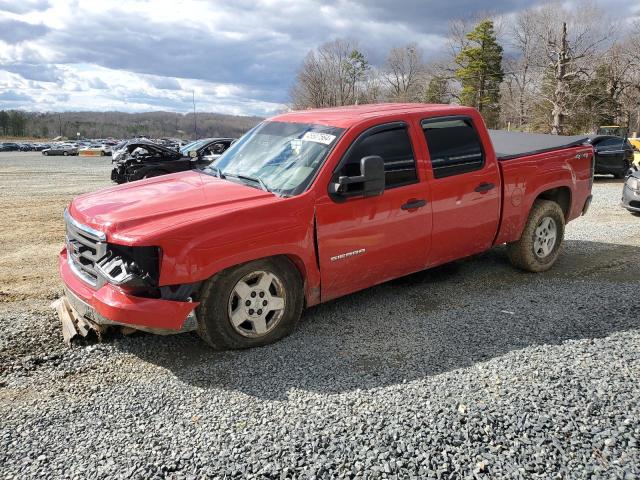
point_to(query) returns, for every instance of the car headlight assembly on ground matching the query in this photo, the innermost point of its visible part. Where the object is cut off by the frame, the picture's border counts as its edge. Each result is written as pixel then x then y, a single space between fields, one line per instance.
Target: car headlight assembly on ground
pixel 633 183
pixel 130 267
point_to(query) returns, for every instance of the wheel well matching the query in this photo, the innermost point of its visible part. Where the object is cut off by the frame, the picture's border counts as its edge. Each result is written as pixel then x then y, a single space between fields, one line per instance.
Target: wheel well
pixel 560 195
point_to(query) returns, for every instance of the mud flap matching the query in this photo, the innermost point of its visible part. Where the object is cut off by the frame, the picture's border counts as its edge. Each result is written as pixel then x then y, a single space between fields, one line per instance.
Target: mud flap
pixel 74 324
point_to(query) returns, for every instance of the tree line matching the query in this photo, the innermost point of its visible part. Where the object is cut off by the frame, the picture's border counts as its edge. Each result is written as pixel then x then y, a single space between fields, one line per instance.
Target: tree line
pixel 547 69
pixel 15 123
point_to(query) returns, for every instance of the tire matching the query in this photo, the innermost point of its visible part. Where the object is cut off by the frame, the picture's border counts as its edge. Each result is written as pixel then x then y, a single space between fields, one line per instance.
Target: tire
pixel 45 153
pixel 626 170
pixel 535 252
pixel 224 301
pixel 66 154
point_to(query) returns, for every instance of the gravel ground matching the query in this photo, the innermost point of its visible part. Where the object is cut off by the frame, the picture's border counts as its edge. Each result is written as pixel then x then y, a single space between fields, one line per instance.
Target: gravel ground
pixel 470 370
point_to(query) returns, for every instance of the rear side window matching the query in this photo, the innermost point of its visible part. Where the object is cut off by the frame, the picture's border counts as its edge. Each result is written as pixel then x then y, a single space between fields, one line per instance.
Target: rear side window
pixel 610 144
pixel 394 146
pixel 454 146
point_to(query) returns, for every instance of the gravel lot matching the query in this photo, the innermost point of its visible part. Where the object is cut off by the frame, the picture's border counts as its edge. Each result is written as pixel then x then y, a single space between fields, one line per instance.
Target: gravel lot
pixel 471 370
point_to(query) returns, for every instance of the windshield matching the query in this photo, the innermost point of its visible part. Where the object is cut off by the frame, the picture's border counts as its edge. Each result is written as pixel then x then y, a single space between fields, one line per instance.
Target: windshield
pixel 284 157
pixel 191 146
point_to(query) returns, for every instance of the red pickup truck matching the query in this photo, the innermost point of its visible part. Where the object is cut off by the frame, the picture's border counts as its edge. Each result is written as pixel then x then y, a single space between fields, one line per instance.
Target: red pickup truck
pixel 312 205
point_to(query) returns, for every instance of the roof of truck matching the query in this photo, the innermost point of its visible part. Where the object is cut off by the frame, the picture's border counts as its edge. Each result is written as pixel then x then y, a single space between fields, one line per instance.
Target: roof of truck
pixel 345 117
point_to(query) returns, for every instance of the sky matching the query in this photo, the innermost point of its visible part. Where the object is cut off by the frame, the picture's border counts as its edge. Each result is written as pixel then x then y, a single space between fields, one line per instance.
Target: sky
pixel 238 56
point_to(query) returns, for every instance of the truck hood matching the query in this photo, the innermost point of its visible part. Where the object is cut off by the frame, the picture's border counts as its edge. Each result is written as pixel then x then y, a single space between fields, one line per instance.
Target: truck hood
pixel 138 209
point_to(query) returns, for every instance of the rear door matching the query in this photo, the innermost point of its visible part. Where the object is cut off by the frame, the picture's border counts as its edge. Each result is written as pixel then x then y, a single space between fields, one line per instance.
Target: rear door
pixel 609 155
pixel 465 189
pixel 366 241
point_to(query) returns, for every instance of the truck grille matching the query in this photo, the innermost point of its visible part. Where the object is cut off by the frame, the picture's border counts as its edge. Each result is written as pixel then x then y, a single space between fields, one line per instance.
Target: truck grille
pixel 85 246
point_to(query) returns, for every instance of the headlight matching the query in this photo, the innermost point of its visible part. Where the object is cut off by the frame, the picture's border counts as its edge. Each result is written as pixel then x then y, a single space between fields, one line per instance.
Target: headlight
pixel 633 183
pixel 134 267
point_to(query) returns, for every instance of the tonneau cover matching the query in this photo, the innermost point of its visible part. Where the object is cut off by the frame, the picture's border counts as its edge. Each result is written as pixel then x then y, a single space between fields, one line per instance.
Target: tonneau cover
pixel 508 145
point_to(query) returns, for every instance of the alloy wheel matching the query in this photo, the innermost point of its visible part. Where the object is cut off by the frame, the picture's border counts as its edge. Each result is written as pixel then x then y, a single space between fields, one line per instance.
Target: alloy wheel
pixel 545 237
pixel 257 304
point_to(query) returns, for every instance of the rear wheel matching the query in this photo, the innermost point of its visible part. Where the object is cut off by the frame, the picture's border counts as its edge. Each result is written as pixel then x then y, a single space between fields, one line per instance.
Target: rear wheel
pixel 250 305
pixel 626 170
pixel 539 246
pixel 66 154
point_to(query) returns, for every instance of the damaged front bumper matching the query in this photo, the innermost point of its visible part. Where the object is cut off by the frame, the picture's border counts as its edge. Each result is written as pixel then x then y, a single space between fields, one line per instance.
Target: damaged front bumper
pixel 110 306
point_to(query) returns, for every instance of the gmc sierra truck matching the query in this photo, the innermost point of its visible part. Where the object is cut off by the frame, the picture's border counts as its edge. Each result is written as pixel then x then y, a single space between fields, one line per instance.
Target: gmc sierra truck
pixel 312 205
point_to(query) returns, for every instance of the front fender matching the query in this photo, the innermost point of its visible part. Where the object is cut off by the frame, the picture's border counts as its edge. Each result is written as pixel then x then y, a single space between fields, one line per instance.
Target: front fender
pixel 196 252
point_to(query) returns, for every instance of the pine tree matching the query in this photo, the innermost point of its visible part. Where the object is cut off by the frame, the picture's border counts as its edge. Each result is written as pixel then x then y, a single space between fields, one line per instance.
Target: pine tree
pixel 480 72
pixel 437 90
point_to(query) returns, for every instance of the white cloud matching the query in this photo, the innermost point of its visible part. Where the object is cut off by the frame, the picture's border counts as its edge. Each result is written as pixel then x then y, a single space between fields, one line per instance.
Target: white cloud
pixel 238 57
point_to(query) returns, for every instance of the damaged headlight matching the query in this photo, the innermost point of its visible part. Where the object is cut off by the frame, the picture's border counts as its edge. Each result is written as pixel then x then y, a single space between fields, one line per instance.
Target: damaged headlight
pixel 633 183
pixel 133 267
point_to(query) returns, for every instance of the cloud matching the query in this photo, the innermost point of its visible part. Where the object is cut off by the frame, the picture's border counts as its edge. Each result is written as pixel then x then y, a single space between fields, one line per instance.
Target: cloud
pixel 164 83
pixel 23 6
pixel 239 57
pixel 15 31
pixel 41 72
pixel 13 96
pixel 98 84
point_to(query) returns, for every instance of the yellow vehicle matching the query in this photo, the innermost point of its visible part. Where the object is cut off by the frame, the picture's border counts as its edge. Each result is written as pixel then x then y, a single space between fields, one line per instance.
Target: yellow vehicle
pixel 636 153
pixel 615 130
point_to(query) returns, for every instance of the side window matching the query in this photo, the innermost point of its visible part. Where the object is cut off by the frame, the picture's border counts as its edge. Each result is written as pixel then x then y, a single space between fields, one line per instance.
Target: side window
pixel 394 146
pixel 610 144
pixel 454 146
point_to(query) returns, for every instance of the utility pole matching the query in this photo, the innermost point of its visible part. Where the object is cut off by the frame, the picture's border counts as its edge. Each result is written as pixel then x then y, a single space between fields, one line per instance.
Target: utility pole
pixel 195 121
pixel 60 124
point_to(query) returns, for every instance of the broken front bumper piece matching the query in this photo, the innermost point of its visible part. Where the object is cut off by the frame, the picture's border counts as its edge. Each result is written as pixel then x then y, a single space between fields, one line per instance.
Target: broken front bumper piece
pixel 83 309
pixel 78 318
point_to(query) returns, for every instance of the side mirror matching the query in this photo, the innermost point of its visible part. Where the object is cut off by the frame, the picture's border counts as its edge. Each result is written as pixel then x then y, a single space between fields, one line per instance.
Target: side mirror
pixel 193 154
pixel 371 179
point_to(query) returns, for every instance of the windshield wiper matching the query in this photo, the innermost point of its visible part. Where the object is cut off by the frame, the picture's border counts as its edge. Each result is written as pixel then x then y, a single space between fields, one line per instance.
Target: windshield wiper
pixel 257 180
pixel 216 171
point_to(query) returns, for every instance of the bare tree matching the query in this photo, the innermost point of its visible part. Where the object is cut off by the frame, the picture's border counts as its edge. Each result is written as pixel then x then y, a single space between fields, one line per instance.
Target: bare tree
pixel 404 73
pixel 519 73
pixel 330 76
pixel 566 43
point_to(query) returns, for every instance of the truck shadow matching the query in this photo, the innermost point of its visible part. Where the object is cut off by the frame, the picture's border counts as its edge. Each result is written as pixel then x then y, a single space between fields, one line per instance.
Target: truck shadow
pixel 421 325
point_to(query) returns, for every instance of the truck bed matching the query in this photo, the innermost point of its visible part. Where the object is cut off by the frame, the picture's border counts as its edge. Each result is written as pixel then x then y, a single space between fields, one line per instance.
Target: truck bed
pixel 510 145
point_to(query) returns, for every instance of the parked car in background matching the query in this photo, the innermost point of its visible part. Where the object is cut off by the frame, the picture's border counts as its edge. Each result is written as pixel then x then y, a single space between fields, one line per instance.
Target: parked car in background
pixel 631 193
pixel 142 158
pixel 207 149
pixel 96 149
pixel 613 155
pixel 65 149
pixel 9 147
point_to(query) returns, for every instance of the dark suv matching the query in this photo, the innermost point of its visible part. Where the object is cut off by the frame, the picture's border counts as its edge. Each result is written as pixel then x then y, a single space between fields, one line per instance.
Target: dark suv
pixel 613 155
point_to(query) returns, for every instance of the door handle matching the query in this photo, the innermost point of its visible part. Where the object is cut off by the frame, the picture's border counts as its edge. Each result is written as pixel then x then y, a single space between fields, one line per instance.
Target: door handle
pixel 413 204
pixel 484 187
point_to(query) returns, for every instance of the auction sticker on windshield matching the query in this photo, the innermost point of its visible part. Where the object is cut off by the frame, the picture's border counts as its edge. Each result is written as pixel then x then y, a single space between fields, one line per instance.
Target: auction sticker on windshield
pixel 318 137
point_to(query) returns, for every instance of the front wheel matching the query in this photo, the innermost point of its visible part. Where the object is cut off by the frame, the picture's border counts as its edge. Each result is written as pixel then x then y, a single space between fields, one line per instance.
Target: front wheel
pixel 539 246
pixel 250 305
pixel 66 154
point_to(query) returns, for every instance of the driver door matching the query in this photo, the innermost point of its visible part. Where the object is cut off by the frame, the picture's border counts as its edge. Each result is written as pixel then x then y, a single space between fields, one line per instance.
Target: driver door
pixel 363 241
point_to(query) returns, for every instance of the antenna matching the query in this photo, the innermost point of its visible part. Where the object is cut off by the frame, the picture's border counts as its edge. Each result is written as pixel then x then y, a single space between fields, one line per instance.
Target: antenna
pixel 195 121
